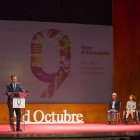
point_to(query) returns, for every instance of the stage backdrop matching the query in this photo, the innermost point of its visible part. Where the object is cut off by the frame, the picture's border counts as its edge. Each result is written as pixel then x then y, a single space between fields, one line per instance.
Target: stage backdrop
pixel 57 62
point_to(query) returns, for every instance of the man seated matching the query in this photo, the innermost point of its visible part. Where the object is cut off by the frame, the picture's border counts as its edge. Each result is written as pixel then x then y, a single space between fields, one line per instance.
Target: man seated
pixel 113 108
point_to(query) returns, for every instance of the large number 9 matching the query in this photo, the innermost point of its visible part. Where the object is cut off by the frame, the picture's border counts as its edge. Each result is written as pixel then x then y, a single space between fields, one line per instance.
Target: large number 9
pixel 54 80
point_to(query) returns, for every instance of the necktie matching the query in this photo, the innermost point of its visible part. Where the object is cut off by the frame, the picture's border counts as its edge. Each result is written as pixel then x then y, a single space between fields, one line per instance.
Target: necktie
pixel 14 86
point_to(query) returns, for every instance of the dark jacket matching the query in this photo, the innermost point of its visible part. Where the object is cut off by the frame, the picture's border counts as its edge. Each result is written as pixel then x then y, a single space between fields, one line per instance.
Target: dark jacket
pixel 117 104
pixel 9 88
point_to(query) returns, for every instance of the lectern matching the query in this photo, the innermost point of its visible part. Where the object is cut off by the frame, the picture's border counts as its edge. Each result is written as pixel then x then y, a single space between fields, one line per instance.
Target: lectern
pixel 19 102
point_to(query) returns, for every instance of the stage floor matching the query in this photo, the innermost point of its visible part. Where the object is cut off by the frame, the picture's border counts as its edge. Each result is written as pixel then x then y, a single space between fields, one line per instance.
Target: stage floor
pixel 71 130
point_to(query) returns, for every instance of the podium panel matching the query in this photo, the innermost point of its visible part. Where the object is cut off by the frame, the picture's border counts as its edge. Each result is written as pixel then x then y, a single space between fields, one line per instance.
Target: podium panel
pixel 18 102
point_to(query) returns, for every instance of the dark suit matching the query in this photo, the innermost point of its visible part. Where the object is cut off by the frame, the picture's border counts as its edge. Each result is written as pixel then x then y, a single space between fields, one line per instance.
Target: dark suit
pixel 10 88
pixel 117 105
pixel 114 110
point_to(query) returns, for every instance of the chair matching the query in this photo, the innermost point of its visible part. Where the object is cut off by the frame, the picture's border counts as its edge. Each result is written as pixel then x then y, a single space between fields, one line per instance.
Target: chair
pixel 136 116
pixel 119 115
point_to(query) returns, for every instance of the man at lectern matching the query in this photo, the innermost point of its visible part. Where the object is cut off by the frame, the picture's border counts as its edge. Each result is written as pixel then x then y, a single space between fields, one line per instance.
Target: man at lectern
pixel 13 87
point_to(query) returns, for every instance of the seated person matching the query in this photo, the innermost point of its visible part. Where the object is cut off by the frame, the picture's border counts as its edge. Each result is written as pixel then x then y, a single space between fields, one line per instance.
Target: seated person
pixel 139 112
pixel 113 108
pixel 130 108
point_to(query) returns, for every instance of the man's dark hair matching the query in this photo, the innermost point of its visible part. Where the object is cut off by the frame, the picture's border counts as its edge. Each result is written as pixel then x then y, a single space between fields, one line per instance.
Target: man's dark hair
pixel 13 76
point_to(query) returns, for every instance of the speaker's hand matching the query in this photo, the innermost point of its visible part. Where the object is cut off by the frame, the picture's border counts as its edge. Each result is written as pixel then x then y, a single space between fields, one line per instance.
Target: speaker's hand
pixel 9 93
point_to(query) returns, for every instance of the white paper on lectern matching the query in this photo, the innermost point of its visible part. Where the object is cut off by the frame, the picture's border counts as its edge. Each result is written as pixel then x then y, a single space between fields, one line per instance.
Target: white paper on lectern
pixel 18 102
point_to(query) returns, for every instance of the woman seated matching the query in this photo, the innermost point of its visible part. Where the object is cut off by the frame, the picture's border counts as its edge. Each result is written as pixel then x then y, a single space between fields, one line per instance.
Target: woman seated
pixel 139 112
pixel 130 107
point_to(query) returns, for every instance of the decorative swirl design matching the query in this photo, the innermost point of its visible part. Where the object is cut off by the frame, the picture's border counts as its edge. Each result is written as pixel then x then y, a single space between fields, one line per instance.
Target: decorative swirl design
pixel 56 79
